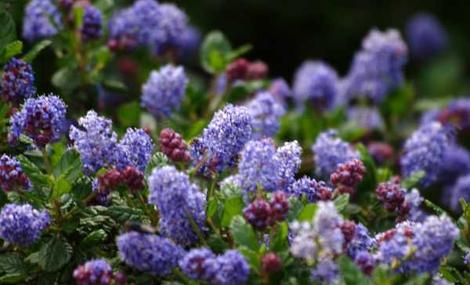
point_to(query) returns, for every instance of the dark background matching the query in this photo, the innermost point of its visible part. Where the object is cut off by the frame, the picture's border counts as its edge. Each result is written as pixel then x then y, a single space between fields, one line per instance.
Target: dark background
pixel 284 33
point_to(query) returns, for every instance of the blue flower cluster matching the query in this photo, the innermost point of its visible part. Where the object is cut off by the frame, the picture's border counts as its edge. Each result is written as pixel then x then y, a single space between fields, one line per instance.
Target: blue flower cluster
pixel 41 119
pixel 134 149
pixel 418 247
pixel 149 253
pixel 95 141
pixel 222 140
pixel 93 272
pixel 368 118
pixel 22 224
pixel 317 83
pixel 164 90
pixel 455 163
pixel 178 201
pixel 266 113
pixel 17 81
pixel 12 176
pixel 426 36
pixel 424 151
pixel 460 190
pixel 329 151
pixel 314 191
pixel 149 24
pixel 92 23
pixel 456 113
pixel 262 165
pixel 42 19
pixel 280 90
pixel 377 68
pixel 203 265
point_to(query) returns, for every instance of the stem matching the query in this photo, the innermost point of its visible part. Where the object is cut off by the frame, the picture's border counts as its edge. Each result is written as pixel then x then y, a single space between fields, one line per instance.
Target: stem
pixel 47 162
pixel 181 276
pixel 211 189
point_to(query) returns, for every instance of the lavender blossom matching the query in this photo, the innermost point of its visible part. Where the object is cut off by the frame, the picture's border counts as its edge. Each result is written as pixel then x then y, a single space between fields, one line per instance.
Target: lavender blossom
pixel 426 36
pixel 17 81
pixel 92 21
pixel 12 176
pixel 41 20
pixel 266 113
pixel 135 149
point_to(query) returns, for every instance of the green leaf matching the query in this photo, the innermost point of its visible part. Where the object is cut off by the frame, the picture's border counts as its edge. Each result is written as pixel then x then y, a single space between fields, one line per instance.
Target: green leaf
pixel 215 50
pixel 33 53
pixel 52 255
pixel 94 238
pixel 341 202
pixel 233 206
pixel 369 182
pixel 7 28
pixel 66 78
pixel 11 50
pixel 413 179
pixel 33 172
pixel 61 186
pixel 12 278
pixel 243 234
pixel 307 213
pixel 69 166
pixel 350 273
pixel 418 280
pixel 129 114
pixel 279 238
pixel 239 52
pixel 11 263
pixel 438 210
pixel 158 160
pixel 123 213
pixel 251 256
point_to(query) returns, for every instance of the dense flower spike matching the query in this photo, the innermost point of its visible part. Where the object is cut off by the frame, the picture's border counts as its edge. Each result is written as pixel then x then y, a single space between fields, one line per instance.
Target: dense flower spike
pixel 280 90
pixel 17 81
pixel 178 200
pixel 325 272
pixel 347 176
pixel 41 20
pixel 106 183
pixel 419 247
pixel 221 141
pixel 271 263
pixel 425 35
pixel 22 224
pixel 92 21
pixel 199 264
pixel 317 83
pixel 366 118
pixel 359 241
pixel 123 30
pixel 391 194
pixel 170 29
pixel 320 238
pixel 329 151
pixel 378 68
pixel 456 113
pixel 134 149
pixel 232 269
pixel 95 141
pixel 455 163
pixel 12 176
pixel 314 191
pixel 133 178
pixel 365 261
pixel 42 119
pixel 461 190
pixel 259 214
pixel 288 160
pixel 257 167
pixel 164 90
pixel 424 151
pixel 173 145
pixel 266 113
pixel 279 206
pixel 94 272
pixel 149 253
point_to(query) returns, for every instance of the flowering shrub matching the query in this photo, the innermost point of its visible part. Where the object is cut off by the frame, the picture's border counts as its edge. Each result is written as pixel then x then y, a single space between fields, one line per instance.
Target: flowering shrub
pixel 135 169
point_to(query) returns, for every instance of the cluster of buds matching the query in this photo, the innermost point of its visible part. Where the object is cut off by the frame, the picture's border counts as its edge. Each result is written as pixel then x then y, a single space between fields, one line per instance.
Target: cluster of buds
pixel 242 69
pixel 262 214
pixel 271 263
pixel 113 178
pixel 380 152
pixel 392 195
pixel 173 145
pixel 98 272
pixel 12 176
pixel 347 176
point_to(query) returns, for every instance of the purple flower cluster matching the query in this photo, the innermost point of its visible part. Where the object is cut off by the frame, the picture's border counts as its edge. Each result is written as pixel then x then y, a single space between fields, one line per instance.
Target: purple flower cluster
pixel 288 160
pixel 147 23
pixel 17 81
pixel 164 90
pixel 266 113
pixel 347 176
pixel 317 83
pixel 92 23
pixel 424 151
pixel 455 163
pixel 135 149
pixel 12 176
pixel 149 253
pixel 466 259
pixel 314 191
pixel 426 36
pixel 280 90
pixel 22 224
pixel 173 145
pixel 41 19
pixel 326 272
pixel 418 247
pixel 94 272
pixel 178 200
pixel 456 113
pixel 95 141
pixel 460 190
pixel 329 151
pixel 41 119
pixel 377 68
pixel 366 118
pixel 203 265
pixel 222 140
